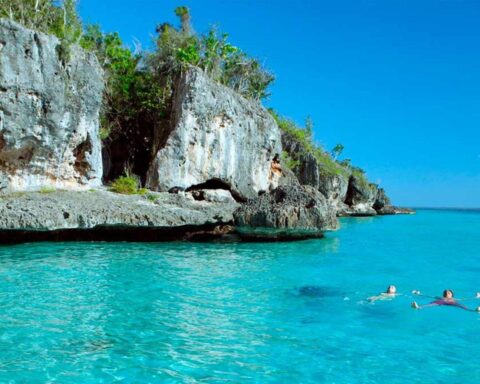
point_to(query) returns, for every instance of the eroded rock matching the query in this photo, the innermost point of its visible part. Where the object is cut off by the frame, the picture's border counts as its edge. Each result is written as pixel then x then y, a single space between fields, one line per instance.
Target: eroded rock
pixel 216 135
pixel 96 208
pixel 49 113
pixel 286 212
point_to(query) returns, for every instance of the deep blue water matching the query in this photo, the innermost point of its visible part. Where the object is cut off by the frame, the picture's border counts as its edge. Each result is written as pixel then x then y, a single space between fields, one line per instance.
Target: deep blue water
pixel 246 313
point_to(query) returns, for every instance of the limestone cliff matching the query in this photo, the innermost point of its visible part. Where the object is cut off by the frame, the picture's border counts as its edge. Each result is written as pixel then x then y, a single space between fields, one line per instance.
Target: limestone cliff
pixel 349 193
pixel 215 147
pixel 216 136
pixel 49 111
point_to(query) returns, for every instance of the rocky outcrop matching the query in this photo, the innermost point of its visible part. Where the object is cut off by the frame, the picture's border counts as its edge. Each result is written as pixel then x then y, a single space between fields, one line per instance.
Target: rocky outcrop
pixel 334 187
pixel 99 209
pixel 216 136
pixel 360 198
pixel 287 212
pixel 49 111
pixel 391 210
pixel 381 200
pixel 346 189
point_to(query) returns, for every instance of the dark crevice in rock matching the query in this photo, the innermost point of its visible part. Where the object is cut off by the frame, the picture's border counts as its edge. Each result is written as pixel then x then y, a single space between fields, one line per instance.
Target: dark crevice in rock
pixel 82 165
pixel 112 233
pixel 134 142
pixel 218 184
pixel 351 192
pixel 133 148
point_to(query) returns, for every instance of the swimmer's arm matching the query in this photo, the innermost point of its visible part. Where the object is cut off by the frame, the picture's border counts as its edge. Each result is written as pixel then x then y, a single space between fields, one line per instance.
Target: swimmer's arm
pixel 414 305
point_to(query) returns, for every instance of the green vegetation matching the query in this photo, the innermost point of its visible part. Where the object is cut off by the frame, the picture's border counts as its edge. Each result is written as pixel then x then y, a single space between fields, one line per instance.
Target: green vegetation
pixel 304 137
pixel 359 174
pixel 127 185
pixel 151 197
pixel 58 18
pixel 178 48
pixel 139 85
pixel 46 190
pixel 289 161
pixel 337 151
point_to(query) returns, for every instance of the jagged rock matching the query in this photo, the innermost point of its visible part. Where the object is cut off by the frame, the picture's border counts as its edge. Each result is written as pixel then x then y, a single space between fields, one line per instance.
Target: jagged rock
pixel 334 187
pixel 361 196
pixel 216 135
pixel 213 195
pixel 96 208
pixel 288 177
pixel 49 112
pixel 286 212
pixel 391 210
pixel 381 200
pixel 307 171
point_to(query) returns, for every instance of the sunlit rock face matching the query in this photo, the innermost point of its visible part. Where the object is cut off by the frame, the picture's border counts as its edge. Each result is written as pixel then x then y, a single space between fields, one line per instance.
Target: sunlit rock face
pixel 361 197
pixel 333 186
pixel 49 113
pixel 293 211
pixel 216 136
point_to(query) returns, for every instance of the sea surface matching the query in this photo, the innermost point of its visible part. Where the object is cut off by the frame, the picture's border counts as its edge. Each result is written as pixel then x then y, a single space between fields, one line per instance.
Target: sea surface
pixel 247 313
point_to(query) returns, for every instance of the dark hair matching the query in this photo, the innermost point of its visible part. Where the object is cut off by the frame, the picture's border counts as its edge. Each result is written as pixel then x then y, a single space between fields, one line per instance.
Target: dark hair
pixel 446 291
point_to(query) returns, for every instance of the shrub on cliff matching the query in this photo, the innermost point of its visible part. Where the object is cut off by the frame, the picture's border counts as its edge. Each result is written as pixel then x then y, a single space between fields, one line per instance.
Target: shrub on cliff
pixel 59 18
pixel 127 185
pixel 177 47
pixel 306 145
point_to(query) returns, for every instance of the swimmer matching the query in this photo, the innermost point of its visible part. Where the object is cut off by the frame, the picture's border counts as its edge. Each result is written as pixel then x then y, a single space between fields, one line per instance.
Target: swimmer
pixel 389 294
pixel 446 299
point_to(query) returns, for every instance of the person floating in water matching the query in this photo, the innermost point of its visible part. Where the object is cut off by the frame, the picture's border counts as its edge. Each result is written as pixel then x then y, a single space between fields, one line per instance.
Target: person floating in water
pixel 389 294
pixel 446 299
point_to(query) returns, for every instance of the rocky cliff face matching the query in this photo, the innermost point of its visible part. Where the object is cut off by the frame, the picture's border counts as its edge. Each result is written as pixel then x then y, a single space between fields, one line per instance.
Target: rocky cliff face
pixel 287 212
pixel 217 137
pixel 350 195
pixel 49 108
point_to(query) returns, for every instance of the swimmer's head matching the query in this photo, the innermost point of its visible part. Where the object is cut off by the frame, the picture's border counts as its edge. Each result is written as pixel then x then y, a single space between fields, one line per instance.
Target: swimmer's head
pixel 448 294
pixel 391 289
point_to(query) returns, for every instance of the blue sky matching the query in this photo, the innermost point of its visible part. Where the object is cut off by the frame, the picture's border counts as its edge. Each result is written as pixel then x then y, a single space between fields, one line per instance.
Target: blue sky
pixel 396 82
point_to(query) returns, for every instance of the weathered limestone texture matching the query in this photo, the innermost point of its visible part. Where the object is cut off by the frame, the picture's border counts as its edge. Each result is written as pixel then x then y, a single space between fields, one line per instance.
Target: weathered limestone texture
pixel 49 113
pixel 96 208
pixel 287 212
pixel 216 136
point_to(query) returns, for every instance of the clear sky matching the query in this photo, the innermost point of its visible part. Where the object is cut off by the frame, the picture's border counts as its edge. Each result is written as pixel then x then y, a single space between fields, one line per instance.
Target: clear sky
pixel 396 82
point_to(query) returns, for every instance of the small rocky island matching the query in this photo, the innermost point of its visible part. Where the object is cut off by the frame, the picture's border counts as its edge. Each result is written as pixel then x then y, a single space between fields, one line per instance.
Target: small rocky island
pixel 215 165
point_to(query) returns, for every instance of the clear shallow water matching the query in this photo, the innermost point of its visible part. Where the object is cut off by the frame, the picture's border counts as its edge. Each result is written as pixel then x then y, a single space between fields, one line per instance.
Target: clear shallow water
pixel 237 313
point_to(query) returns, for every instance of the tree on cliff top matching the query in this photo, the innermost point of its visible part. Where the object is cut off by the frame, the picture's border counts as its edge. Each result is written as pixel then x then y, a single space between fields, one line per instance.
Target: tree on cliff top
pixel 212 52
pixel 59 18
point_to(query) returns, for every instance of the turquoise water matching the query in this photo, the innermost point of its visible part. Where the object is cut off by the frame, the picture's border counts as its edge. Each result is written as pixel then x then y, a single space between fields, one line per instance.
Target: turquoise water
pixel 246 313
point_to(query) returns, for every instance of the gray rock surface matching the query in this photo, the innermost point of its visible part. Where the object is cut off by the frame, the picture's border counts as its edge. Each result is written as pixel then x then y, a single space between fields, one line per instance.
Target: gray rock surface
pixel 213 195
pixel 309 172
pixel 381 200
pixel 286 212
pixel 216 135
pixel 49 111
pixel 361 196
pixel 96 208
pixel 334 188
pixel 391 210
